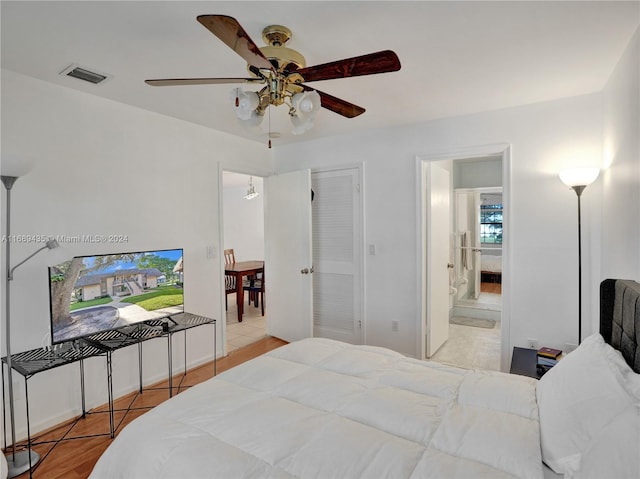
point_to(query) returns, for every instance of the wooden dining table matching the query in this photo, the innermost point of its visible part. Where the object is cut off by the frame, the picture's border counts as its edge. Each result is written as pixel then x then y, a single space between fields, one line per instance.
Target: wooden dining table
pixel 240 269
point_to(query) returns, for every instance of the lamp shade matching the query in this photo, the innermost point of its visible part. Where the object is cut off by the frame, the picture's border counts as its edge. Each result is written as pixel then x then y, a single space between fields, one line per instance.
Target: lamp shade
pixel 17 166
pixel 579 176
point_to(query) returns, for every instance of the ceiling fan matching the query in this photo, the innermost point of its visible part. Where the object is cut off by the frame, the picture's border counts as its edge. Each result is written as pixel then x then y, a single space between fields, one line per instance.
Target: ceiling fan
pixel 284 73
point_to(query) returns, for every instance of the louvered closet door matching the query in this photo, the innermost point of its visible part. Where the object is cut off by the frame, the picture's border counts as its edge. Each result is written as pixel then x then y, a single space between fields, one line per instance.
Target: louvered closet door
pixel 337 257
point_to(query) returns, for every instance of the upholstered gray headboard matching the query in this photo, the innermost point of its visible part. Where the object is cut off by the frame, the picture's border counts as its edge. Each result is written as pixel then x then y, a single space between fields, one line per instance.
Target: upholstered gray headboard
pixel 620 318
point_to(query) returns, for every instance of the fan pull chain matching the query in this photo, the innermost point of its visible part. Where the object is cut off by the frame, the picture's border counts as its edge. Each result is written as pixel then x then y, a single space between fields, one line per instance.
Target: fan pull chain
pixel 269 128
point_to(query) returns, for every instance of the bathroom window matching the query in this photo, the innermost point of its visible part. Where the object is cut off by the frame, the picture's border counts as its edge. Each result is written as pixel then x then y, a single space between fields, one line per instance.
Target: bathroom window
pixel 491 224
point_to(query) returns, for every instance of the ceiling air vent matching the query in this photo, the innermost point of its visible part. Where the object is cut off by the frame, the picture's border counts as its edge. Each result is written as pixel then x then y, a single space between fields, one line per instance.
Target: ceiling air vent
pixel 82 73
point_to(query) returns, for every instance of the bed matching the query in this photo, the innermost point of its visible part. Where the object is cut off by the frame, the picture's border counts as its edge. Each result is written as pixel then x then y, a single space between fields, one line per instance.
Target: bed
pixel 491 268
pixel 321 408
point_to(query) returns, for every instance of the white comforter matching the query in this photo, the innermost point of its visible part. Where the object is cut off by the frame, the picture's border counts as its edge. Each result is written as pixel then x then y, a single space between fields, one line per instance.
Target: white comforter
pixel 320 408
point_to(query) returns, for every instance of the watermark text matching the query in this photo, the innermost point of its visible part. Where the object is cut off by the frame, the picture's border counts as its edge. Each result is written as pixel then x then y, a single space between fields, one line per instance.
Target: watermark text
pixel 83 238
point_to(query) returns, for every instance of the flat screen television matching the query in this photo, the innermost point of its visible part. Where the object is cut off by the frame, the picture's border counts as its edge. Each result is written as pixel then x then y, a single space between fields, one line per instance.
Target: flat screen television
pixel 93 294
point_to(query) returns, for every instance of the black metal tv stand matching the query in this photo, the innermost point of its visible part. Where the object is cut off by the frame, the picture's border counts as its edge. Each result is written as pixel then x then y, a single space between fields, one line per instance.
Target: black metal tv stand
pixel 35 361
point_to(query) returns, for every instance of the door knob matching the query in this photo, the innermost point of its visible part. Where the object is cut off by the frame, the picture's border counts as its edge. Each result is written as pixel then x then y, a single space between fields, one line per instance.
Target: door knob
pixel 450 265
pixel 304 271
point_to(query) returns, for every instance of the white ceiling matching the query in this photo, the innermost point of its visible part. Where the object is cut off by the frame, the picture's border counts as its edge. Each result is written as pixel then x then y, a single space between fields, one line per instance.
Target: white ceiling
pixel 457 57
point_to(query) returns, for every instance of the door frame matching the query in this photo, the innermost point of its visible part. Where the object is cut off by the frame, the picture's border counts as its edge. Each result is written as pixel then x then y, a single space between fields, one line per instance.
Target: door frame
pixel 243 169
pixel 498 149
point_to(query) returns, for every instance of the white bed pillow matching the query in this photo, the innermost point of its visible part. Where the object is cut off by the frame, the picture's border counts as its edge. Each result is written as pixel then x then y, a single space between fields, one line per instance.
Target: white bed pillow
pixel 613 453
pixel 579 398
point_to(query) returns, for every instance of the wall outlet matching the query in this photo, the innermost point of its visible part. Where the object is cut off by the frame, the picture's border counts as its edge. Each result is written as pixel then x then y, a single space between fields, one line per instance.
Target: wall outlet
pixel 395 326
pixel 533 343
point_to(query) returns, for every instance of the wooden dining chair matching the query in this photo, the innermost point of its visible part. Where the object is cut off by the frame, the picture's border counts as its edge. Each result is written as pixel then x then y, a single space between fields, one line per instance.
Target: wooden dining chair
pixel 229 280
pixel 229 256
pixel 255 288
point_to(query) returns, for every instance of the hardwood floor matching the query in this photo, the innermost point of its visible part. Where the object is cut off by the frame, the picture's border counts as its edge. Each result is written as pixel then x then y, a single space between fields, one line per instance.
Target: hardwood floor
pixel 75 458
pixel 495 288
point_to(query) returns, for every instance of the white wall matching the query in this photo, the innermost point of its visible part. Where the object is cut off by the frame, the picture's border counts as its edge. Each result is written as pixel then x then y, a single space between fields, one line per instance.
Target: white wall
pixel 93 158
pixel 477 174
pixel 91 152
pixel 545 138
pixel 244 221
pixel 621 179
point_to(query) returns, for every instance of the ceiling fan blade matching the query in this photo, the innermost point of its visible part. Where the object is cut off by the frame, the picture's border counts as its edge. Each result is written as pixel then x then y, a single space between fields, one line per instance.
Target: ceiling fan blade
pixel 379 62
pixel 336 105
pixel 200 81
pixel 233 35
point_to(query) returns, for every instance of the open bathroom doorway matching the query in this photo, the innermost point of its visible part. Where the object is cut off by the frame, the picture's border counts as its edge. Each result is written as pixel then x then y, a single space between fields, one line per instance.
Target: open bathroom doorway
pixel 478 249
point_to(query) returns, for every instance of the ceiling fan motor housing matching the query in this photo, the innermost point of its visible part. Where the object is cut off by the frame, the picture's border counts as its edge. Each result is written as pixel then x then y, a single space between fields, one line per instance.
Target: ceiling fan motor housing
pixel 283 71
pixel 284 59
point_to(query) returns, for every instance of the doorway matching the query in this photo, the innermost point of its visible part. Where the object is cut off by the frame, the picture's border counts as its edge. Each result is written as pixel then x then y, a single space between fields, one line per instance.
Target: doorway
pixel 477 285
pixel 300 297
pixel 478 302
pixel 243 232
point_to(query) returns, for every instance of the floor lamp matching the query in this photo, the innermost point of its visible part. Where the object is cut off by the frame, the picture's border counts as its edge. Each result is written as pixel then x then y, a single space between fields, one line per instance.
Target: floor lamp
pixel 18 462
pixel 578 179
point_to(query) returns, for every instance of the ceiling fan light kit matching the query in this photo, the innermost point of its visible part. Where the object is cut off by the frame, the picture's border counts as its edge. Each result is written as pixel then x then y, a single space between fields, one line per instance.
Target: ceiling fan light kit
pixel 305 106
pixel 284 73
pixel 246 102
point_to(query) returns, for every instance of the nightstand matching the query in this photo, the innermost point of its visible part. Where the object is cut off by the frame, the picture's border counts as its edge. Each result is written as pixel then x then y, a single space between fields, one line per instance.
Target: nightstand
pixel 523 362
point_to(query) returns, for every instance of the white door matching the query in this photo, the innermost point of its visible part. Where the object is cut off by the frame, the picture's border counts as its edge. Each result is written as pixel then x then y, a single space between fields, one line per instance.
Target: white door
pixel 477 251
pixel 438 249
pixel 337 255
pixel 288 260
